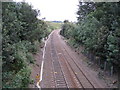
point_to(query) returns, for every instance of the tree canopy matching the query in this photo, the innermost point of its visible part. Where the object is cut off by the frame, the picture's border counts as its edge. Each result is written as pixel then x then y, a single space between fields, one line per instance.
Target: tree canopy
pixel 22 32
pixel 97 29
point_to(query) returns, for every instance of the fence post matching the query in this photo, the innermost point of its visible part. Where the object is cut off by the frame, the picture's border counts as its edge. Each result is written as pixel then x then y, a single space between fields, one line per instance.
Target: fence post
pixel 105 64
pixel 111 71
pixel 99 62
pixel 118 78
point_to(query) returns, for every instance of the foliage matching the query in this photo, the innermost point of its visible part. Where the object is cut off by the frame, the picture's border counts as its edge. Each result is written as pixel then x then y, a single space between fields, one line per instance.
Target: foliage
pixel 67 29
pixel 98 29
pixel 21 79
pixel 21 33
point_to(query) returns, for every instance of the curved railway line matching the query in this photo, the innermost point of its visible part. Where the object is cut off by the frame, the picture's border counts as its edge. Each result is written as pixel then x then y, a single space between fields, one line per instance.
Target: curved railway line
pixel 66 60
pixel 67 72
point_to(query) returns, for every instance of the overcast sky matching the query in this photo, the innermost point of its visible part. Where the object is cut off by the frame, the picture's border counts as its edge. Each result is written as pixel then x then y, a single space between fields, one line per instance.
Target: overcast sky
pixel 56 9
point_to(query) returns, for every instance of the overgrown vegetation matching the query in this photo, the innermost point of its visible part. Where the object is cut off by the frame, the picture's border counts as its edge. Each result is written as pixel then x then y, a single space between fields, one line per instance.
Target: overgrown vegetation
pixel 98 30
pixel 22 32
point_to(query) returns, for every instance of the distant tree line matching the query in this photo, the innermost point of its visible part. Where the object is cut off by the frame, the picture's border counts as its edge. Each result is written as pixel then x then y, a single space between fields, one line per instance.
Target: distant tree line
pixel 22 32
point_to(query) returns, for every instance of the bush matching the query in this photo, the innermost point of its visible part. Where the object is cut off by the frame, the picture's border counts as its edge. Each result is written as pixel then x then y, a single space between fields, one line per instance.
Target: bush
pixel 30 58
pixel 16 80
pixel 98 30
pixel 21 30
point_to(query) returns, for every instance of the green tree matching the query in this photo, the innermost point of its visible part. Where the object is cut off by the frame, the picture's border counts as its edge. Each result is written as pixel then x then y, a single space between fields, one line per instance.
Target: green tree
pixel 21 29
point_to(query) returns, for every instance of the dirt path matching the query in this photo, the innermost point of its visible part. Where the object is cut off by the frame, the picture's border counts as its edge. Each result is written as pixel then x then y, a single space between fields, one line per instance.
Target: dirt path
pixel 63 68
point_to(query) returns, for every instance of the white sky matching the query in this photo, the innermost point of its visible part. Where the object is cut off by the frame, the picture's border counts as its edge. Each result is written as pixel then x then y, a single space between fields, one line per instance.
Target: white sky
pixel 56 9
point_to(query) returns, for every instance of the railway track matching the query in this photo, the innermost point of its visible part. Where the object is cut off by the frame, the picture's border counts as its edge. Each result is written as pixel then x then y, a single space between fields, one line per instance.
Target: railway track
pixel 65 69
pixel 80 70
pixel 68 56
pixel 60 80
